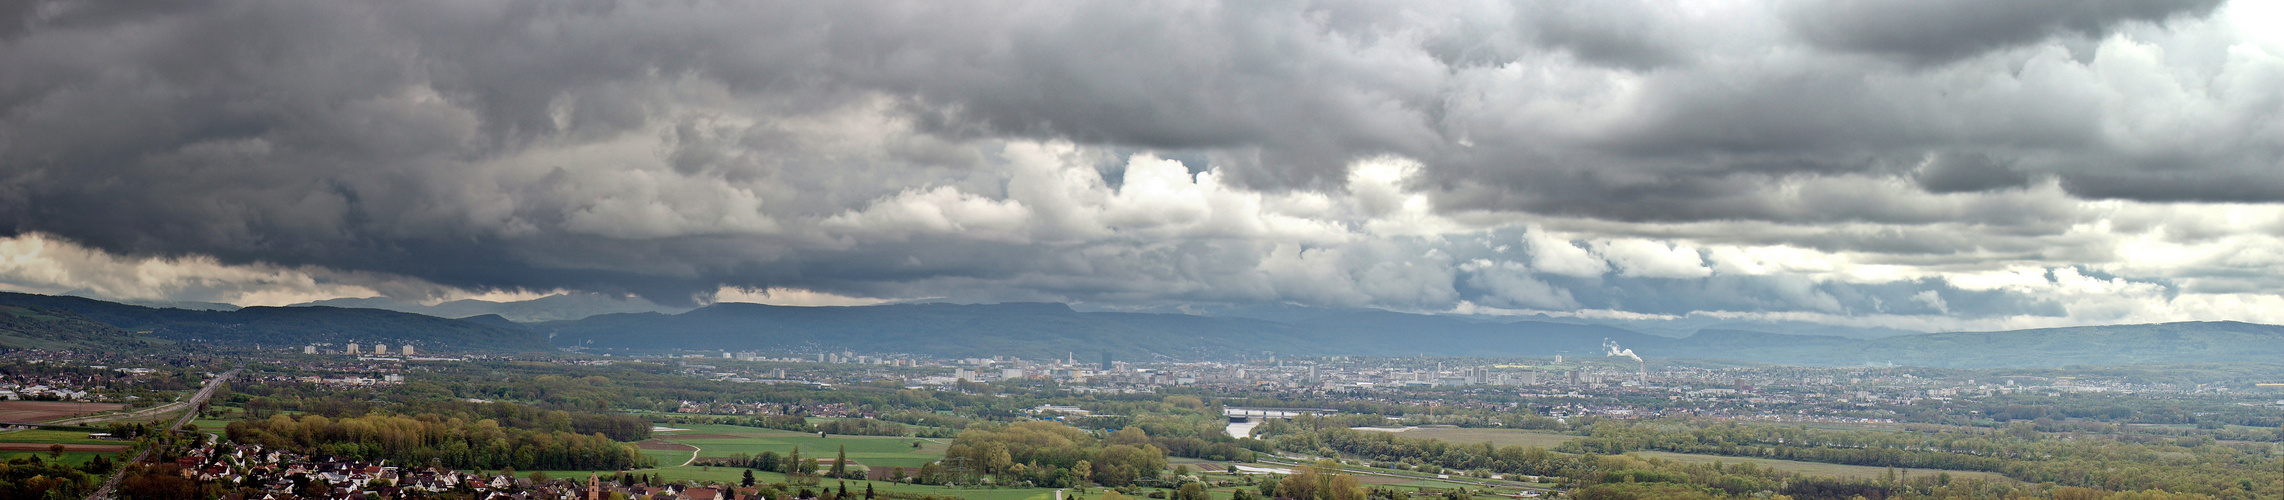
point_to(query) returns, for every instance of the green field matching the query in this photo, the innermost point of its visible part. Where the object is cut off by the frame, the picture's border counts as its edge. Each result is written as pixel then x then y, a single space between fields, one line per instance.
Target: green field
pixel 732 475
pixel 668 458
pixel 873 451
pixel 1497 437
pixel 1543 439
pixel 715 441
pixel 52 436
pixel 69 457
pixel 1816 469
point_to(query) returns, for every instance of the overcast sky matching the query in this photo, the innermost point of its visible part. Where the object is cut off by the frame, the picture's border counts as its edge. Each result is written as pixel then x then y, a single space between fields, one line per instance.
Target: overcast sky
pixel 1922 164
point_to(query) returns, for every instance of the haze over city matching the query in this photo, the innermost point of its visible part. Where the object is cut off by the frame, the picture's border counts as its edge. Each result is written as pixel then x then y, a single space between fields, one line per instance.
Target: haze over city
pixel 1920 165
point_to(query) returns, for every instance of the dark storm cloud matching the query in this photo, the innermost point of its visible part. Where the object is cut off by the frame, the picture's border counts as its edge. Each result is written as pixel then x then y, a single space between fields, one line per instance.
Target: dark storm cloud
pixel 1937 31
pixel 1786 294
pixel 863 148
pixel 1628 34
pixel 1954 173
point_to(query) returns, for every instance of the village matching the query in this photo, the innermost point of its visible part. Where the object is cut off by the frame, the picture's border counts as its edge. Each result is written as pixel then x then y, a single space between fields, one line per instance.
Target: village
pixel 252 472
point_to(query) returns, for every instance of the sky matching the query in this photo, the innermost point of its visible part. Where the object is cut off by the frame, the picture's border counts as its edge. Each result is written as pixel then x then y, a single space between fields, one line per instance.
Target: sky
pixel 1915 164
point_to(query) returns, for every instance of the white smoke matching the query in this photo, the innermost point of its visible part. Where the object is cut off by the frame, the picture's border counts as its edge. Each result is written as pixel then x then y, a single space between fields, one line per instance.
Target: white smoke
pixel 1616 351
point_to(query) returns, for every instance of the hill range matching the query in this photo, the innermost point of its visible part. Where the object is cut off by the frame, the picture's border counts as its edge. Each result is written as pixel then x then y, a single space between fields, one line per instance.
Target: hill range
pixel 1055 330
pixel 1046 330
pixel 61 322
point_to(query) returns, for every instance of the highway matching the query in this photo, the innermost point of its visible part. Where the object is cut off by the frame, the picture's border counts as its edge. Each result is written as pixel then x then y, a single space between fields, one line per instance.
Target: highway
pixel 104 493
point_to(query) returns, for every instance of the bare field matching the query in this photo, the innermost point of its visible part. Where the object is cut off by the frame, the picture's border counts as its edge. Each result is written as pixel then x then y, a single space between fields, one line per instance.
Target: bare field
pixel 42 411
pixel 1497 437
pixel 1818 469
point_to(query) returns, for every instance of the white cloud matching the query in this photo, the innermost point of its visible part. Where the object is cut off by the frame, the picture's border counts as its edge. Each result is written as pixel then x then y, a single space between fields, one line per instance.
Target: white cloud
pixel 1652 259
pixel 1931 299
pixel 780 296
pixel 943 210
pixel 1550 254
pixel 36 263
pixel 1511 286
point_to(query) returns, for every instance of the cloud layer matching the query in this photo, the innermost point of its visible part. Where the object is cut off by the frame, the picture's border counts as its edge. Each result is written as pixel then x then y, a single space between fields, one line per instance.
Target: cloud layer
pixel 1904 163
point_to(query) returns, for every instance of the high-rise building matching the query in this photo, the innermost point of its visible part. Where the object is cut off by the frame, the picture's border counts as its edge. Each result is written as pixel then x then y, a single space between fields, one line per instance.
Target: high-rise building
pixel 309 349
pixel 352 348
pixel 381 349
pixel 408 349
pixel 1106 361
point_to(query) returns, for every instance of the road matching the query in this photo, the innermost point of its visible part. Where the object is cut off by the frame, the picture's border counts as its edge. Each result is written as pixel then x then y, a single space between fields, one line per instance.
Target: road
pixel 104 493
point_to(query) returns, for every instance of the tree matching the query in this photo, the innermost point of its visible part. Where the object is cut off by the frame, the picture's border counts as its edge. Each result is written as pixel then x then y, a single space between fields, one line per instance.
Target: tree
pixel 868 491
pixel 748 481
pixel 999 460
pixel 55 451
pixel 1301 486
pixel 1343 487
pixel 1191 491
pixel 1323 481
pixel 930 473
pixel 841 463
pixel 157 481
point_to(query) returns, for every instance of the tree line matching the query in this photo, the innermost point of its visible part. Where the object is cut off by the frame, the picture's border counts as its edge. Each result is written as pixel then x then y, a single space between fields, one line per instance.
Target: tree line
pixel 434 438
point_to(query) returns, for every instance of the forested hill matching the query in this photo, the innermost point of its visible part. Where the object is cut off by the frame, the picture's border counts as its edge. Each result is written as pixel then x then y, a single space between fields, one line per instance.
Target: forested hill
pixel 287 326
pixel 1055 330
pixel 23 327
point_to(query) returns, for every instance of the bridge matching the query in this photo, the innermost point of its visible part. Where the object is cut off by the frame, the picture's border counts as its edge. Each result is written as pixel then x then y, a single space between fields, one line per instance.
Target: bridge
pixel 1243 414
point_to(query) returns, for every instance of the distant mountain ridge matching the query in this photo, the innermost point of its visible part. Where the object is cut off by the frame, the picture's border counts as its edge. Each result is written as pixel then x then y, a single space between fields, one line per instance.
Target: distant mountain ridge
pixel 1055 330
pixel 286 326
pixel 1050 330
pixel 558 307
pixel 28 327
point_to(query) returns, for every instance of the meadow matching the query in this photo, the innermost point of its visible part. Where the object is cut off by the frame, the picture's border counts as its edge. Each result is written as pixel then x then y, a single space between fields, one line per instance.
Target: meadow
pixel 718 441
pixel 35 442
pixel 1818 469
pixel 1497 437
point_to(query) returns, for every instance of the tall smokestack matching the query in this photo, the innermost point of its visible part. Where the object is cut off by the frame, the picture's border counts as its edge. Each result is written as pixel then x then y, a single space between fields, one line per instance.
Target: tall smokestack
pixel 1642 369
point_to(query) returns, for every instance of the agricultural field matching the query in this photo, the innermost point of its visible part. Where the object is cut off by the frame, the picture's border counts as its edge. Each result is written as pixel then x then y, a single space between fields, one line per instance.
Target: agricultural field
pixel 675 447
pixel 715 441
pixel 1817 469
pixel 78 448
pixel 32 412
pixel 52 435
pixel 1497 437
